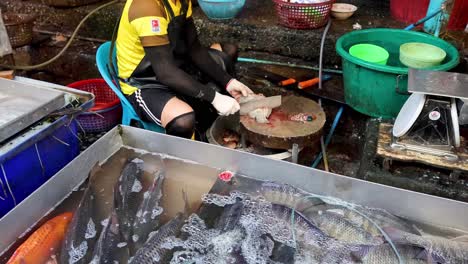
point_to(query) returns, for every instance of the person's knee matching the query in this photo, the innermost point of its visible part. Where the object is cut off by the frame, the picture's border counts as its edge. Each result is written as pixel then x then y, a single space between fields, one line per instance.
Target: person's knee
pixel 182 126
pixel 231 50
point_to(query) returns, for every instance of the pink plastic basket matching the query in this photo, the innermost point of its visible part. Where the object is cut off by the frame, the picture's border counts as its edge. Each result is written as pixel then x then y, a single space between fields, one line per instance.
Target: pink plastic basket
pixel 303 16
pixel 107 111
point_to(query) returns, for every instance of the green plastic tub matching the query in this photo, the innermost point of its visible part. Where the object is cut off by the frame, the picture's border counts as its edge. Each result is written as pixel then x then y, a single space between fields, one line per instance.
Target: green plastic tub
pixel 381 90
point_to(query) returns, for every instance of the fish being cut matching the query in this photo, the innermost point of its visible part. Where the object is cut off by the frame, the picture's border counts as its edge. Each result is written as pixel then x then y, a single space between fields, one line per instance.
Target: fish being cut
pixel 43 243
pixel 82 232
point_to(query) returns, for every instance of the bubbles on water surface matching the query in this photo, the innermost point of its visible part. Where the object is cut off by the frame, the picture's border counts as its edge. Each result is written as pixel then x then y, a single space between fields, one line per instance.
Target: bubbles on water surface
pixel 137 187
pixel 77 253
pixel 90 229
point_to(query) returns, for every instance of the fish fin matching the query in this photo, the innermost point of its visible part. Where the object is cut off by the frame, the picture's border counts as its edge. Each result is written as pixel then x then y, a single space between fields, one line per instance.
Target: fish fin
pixel 430 257
pixel 94 170
pixel 420 231
pixel 359 254
pixel 461 239
pixel 186 203
pixel 395 235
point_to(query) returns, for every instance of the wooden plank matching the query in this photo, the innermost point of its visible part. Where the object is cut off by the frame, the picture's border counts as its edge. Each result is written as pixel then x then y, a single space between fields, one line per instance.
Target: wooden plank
pixel 384 150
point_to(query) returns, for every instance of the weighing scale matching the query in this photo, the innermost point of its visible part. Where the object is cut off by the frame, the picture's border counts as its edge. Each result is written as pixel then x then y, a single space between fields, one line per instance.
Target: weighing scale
pixel 428 122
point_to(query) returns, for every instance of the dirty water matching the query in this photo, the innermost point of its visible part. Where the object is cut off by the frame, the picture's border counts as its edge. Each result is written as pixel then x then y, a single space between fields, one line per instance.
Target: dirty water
pixel 274 220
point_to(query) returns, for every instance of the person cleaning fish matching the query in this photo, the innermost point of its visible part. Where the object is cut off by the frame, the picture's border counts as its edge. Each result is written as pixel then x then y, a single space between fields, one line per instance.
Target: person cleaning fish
pixel 167 75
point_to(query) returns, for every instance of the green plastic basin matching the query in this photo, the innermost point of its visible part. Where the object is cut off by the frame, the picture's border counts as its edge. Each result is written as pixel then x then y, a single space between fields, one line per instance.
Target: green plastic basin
pixel 421 55
pixel 369 52
pixel 381 90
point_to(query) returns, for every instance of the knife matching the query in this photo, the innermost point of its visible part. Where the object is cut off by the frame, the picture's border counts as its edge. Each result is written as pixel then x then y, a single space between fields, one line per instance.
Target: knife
pixel 269 102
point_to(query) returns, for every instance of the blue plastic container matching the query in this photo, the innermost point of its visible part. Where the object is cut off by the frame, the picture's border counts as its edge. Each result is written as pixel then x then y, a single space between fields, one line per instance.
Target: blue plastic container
pixel 30 159
pixel 221 9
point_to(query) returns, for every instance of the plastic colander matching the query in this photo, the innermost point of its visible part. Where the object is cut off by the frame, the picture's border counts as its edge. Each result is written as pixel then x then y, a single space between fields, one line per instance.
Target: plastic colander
pixel 369 52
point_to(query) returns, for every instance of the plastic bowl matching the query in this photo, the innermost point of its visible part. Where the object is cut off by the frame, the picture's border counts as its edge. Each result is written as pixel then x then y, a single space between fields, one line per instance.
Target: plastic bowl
pixel 221 9
pixel 420 55
pixel 343 11
pixel 369 52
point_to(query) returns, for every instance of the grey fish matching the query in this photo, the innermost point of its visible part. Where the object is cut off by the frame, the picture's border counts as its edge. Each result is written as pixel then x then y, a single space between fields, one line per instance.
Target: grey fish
pixel 384 254
pixel 152 252
pixel 147 216
pixel 362 218
pixel 229 219
pixel 314 242
pixel 83 231
pixel 435 248
pixel 340 228
pixel 110 249
pixel 292 197
pixel 127 197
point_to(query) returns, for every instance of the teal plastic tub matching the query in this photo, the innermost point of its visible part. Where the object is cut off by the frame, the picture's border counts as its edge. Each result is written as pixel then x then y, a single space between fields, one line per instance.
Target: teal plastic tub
pixel 381 90
pixel 221 9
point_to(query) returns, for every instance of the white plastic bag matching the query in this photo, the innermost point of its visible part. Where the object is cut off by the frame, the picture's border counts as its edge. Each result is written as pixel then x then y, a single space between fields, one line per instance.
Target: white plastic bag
pixel 5 46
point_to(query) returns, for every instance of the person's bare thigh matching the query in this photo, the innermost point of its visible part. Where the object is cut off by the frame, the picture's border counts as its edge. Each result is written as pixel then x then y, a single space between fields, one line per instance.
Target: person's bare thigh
pixel 174 108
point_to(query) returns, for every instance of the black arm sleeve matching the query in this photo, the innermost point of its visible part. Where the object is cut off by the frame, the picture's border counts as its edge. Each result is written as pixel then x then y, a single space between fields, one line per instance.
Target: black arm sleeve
pixel 202 59
pixel 167 72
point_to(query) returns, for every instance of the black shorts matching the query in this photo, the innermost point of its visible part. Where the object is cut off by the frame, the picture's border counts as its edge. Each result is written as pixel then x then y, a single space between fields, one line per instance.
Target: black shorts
pixel 150 100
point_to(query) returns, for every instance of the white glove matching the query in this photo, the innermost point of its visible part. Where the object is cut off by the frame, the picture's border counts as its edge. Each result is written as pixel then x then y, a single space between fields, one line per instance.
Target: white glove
pixel 237 89
pixel 225 105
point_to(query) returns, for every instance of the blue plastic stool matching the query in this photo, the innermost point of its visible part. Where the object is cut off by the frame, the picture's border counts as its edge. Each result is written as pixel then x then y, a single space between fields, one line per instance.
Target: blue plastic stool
pixel 129 114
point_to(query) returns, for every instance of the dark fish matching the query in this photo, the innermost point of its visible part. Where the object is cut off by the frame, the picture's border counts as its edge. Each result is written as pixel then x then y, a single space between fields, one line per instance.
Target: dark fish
pixel 435 248
pixel 127 197
pixel 110 248
pixel 83 231
pixel 147 216
pixel 340 228
pixel 152 252
pixel 229 219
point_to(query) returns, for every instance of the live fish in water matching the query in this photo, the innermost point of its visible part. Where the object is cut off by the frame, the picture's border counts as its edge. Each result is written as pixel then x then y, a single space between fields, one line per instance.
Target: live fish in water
pixel 379 216
pixel 83 231
pixel 435 248
pixel 340 228
pixel 43 243
pixel 287 195
pixel 152 251
pixel 147 216
pixel 110 247
pixel 127 198
pixel 384 254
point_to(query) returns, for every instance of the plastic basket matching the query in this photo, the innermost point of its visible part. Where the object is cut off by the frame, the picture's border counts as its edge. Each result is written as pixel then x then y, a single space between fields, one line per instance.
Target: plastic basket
pixel 107 111
pixel 19 28
pixel 303 16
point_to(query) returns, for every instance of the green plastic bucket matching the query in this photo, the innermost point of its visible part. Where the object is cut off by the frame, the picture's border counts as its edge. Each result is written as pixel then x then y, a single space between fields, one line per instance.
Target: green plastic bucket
pixel 381 90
